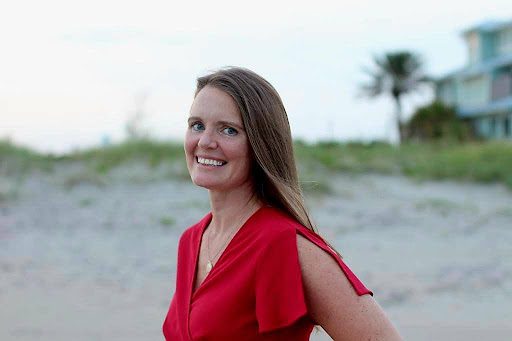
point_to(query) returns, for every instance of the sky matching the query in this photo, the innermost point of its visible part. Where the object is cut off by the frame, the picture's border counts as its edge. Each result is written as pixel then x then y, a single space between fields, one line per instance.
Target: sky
pixel 72 73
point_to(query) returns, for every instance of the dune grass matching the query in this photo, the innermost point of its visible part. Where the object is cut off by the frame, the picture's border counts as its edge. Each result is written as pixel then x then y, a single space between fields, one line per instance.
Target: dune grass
pixel 485 162
pixel 16 160
pixel 151 152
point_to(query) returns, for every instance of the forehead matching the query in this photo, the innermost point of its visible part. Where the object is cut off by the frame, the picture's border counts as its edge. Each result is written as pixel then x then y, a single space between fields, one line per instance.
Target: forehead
pixel 215 104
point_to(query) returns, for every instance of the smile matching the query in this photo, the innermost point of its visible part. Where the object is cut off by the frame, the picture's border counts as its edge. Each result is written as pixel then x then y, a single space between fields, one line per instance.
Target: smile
pixel 210 162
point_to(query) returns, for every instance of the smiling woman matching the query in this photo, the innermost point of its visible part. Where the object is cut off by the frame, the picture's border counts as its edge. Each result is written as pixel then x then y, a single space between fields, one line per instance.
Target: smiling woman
pixel 216 146
pixel 254 268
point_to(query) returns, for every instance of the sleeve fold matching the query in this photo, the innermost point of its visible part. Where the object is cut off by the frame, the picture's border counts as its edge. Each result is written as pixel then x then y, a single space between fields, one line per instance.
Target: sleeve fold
pixel 280 300
pixel 280 295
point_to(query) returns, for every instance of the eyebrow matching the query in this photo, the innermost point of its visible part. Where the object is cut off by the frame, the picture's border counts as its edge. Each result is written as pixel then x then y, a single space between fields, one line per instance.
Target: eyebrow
pixel 228 123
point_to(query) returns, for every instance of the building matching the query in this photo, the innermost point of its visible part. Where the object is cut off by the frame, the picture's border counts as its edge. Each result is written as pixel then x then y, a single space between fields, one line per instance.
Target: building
pixel 482 90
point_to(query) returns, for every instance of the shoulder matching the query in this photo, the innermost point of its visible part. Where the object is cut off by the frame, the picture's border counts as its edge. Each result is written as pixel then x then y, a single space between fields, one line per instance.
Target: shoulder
pixel 273 237
pixel 316 263
pixel 323 268
pixel 275 226
pixel 273 223
pixel 319 269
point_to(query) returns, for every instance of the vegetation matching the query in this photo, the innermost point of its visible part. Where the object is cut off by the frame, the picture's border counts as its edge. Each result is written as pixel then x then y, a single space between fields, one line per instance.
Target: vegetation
pixel 437 121
pixel 474 161
pixel 15 160
pixel 395 74
pixel 167 221
pixel 152 152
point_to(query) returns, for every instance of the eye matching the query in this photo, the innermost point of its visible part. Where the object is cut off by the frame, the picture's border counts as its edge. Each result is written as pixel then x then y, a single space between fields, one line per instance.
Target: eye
pixel 197 126
pixel 230 131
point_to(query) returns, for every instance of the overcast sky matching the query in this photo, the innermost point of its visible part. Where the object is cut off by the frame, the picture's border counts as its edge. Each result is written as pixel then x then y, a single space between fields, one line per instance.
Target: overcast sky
pixel 72 71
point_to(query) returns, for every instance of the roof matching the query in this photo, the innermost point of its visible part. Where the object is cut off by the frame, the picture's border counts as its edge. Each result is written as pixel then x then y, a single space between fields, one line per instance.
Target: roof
pixel 486 66
pixel 489 26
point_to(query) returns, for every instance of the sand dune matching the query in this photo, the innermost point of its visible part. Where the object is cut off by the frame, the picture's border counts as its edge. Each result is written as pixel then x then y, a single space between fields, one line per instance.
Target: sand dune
pixel 86 258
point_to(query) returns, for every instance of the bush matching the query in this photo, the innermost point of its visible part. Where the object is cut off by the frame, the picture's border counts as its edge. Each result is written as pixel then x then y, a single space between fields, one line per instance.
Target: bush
pixel 437 121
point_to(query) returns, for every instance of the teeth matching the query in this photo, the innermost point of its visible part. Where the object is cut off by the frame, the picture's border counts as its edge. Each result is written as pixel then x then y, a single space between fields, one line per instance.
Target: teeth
pixel 209 162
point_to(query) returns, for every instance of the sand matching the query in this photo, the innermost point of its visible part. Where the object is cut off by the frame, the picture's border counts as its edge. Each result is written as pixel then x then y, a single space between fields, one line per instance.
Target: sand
pixel 83 258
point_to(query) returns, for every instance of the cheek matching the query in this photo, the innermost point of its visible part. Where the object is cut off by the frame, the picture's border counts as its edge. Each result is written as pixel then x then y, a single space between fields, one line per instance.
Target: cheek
pixel 247 160
pixel 189 146
pixel 237 150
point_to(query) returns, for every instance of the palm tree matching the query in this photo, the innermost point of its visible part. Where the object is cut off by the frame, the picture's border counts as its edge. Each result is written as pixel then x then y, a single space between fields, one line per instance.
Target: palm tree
pixel 396 74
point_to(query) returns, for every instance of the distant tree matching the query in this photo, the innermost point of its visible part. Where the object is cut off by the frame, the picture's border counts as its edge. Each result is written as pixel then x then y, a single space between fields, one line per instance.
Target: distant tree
pixel 135 124
pixel 437 121
pixel 395 74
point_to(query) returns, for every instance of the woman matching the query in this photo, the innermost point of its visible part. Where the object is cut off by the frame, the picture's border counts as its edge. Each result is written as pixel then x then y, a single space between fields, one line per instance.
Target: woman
pixel 253 268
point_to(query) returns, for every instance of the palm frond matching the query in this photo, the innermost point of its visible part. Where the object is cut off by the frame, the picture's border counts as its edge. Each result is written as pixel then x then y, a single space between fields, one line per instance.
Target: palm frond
pixel 397 73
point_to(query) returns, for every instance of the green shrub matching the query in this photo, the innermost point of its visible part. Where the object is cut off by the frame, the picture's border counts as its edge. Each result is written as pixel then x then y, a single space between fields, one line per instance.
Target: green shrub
pixel 437 121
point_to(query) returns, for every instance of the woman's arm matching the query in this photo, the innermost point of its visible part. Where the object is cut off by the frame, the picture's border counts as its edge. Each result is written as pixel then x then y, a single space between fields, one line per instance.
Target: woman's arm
pixel 333 303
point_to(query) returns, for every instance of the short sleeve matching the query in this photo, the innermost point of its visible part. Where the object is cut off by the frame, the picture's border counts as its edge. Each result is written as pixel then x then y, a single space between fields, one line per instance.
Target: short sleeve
pixel 280 300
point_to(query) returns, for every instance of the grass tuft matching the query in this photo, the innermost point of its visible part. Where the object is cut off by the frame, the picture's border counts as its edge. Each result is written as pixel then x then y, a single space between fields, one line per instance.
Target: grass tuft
pixel 167 221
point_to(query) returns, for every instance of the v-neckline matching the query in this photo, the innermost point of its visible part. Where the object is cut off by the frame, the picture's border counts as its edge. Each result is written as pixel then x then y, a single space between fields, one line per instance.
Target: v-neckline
pixel 198 243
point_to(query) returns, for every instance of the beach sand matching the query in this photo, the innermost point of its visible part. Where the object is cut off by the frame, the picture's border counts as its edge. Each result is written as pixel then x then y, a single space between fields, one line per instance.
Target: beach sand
pixel 89 259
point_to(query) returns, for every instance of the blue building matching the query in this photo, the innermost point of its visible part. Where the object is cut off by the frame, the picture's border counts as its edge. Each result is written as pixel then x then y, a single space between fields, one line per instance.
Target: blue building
pixel 482 90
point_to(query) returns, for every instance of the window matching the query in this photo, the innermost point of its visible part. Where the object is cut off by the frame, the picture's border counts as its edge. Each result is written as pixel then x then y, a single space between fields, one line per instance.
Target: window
pixel 504 41
pixel 502 85
pixel 475 91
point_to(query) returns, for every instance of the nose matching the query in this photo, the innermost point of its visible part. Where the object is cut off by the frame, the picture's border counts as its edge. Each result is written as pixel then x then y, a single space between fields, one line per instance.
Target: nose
pixel 207 140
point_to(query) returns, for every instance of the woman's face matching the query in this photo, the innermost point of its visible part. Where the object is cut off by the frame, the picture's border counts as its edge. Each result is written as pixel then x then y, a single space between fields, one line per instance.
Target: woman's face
pixel 216 146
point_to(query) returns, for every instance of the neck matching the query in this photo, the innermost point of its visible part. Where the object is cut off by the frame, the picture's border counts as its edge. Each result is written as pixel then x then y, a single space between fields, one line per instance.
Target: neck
pixel 232 207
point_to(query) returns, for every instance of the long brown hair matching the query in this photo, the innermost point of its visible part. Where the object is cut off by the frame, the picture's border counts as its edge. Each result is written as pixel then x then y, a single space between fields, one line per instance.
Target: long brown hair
pixel 268 131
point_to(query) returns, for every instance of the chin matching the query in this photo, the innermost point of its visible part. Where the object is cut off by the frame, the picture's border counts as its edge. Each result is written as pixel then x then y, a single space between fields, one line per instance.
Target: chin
pixel 202 184
pixel 205 183
pixel 216 184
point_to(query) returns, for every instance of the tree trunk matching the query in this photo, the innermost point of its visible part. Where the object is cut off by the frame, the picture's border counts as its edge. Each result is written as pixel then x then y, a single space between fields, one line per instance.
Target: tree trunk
pixel 398 118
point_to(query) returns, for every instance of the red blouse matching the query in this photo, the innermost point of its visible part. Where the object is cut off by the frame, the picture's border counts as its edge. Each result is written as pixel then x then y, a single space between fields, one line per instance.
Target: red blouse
pixel 254 291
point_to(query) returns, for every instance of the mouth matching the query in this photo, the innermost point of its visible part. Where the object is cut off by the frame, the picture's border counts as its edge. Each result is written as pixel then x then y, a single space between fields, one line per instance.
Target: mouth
pixel 210 162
